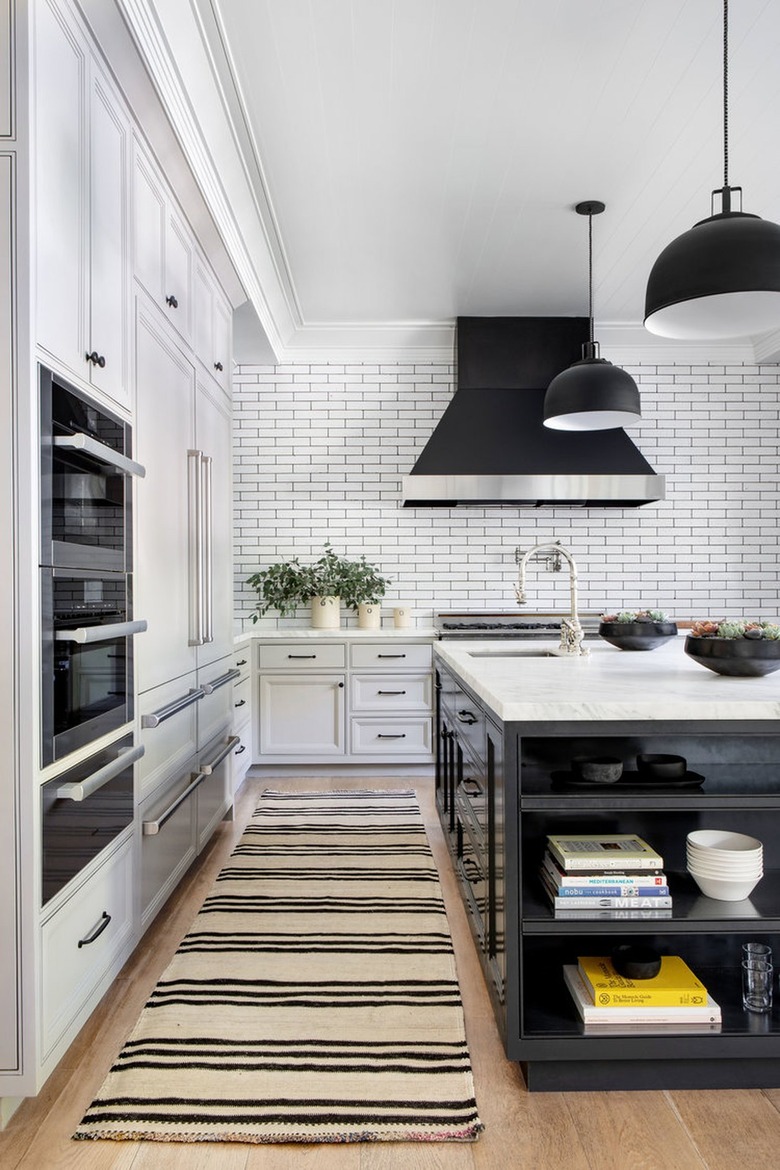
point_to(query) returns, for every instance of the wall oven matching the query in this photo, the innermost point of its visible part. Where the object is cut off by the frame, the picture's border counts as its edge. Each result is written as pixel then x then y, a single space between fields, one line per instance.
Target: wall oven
pixel 83 810
pixel 87 657
pixel 85 480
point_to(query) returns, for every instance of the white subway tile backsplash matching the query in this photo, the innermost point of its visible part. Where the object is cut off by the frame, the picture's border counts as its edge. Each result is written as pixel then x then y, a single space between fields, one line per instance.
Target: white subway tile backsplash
pixel 320 451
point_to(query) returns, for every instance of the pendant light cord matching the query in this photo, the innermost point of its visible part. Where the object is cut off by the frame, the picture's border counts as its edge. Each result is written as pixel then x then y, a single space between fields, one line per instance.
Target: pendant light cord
pixel 590 277
pixel 725 93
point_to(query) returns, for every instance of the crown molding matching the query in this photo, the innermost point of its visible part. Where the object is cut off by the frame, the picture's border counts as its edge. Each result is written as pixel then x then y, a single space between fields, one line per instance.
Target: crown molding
pixel 373 342
pixel 632 345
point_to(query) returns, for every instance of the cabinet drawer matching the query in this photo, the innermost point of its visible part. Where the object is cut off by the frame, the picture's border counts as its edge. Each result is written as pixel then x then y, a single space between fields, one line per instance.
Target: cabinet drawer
pixel 215 710
pixel 242 660
pixel 373 735
pixel 378 692
pixel 241 759
pixel 242 706
pixel 466 717
pixel 392 655
pixel 472 801
pixel 169 731
pixel 82 939
pixel 166 854
pixel 473 879
pixel 302 656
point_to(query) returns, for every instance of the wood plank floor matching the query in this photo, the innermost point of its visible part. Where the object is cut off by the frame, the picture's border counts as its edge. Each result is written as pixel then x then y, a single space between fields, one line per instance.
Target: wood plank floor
pixel 534 1131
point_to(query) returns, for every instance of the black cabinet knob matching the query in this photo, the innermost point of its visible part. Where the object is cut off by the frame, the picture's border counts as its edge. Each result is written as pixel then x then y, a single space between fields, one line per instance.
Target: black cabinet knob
pixel 96 358
pixel 171 300
pixel 218 366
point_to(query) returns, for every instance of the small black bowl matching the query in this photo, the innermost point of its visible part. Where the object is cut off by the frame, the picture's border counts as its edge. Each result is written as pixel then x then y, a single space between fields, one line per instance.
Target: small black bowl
pixel 661 767
pixel 633 961
pixel 737 657
pixel 637 635
pixel 598 769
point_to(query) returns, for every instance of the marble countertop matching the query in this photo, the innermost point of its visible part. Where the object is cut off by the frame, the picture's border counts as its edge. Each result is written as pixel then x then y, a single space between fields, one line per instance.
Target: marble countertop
pixel 342 634
pixel 607 684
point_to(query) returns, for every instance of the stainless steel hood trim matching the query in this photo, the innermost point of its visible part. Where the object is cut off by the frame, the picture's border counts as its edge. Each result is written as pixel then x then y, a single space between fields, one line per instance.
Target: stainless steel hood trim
pixel 533 490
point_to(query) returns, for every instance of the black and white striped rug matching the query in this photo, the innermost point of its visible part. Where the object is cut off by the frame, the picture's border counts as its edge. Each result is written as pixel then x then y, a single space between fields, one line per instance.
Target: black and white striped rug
pixel 315 998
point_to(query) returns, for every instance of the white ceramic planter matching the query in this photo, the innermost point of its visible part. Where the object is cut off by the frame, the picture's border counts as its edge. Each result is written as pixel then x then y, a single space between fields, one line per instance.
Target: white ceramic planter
pixel 369 616
pixel 325 613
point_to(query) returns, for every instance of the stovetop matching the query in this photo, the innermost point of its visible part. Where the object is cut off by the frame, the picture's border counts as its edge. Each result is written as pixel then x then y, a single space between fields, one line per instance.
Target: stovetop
pixel 508 625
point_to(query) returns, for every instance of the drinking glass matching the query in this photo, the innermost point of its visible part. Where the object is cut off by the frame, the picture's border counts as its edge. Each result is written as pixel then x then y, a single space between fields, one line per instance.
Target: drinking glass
pixel 757 977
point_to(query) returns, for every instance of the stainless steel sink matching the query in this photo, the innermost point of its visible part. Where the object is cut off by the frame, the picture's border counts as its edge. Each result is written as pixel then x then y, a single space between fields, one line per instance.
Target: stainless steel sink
pixel 525 653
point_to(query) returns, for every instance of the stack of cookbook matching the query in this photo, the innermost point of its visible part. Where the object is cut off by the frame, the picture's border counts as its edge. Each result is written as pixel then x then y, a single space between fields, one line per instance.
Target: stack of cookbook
pixel 674 999
pixel 606 875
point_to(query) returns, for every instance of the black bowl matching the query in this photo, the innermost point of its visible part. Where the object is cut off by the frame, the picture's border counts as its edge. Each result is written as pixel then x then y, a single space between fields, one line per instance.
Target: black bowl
pixel 661 767
pixel 634 961
pixel 598 769
pixel 738 657
pixel 637 635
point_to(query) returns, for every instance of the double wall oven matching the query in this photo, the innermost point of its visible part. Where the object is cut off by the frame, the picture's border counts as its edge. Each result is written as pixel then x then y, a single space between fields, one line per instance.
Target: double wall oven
pixel 87 621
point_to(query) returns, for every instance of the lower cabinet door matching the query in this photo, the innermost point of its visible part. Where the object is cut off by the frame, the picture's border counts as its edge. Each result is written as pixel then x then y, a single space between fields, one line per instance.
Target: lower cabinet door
pixel 473 880
pixel 81 940
pixel 167 842
pixel 302 716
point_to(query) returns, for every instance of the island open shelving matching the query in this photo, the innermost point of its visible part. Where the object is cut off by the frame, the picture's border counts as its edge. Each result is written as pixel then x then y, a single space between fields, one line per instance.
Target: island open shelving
pixel 521 795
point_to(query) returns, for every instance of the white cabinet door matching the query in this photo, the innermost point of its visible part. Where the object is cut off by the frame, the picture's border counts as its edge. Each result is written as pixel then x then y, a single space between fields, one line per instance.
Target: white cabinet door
pixel 165 543
pixel 302 715
pixel 213 327
pixel 6 72
pixel 179 264
pixel 61 214
pixel 214 438
pixel 223 340
pixel 109 283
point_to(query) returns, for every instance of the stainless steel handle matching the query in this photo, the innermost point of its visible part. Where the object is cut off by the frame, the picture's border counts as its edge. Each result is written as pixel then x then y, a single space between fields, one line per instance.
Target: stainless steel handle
pixel 222 681
pixel 155 718
pixel 81 789
pixel 196 548
pixel 224 751
pixel 150 828
pixel 80 442
pixel 86 634
pixel 96 931
pixel 206 463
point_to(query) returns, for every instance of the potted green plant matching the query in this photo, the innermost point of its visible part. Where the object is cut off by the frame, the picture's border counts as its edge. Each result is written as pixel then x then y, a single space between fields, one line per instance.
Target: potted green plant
pixel 637 629
pixel 324 584
pixel 735 647
pixel 362 589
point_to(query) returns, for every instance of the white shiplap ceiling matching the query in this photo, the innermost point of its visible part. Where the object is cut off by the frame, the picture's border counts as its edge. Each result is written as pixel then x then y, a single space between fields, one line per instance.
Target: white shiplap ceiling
pixel 388 165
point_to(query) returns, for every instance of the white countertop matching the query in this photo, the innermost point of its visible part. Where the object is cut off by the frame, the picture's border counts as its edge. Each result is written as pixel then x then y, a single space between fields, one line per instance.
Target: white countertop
pixel 342 634
pixel 607 684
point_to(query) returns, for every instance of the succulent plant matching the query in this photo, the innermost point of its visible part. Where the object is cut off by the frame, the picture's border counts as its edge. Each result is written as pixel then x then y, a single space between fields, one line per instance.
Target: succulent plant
pixel 636 615
pixel 736 628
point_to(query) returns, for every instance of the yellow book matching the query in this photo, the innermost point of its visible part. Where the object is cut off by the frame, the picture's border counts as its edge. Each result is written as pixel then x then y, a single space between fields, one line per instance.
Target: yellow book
pixel 675 985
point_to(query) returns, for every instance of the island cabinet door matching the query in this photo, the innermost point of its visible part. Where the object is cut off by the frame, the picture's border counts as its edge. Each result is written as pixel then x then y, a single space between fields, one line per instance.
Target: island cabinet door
pixel 302 715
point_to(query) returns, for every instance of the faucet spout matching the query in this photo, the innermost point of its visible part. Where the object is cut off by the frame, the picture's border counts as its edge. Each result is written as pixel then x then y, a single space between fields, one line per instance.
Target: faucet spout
pixel 550 554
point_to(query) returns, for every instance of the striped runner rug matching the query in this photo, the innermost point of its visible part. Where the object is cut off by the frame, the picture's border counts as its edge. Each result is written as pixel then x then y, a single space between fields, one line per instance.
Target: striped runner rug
pixel 315 998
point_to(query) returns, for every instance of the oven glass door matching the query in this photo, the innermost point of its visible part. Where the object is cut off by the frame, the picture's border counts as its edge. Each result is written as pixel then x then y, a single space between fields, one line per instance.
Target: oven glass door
pixel 85 491
pixel 87 658
pixel 83 810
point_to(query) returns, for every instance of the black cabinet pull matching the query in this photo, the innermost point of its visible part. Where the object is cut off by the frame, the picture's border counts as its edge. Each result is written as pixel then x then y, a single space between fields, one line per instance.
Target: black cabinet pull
pixel 391 692
pixel 381 735
pixel 475 788
pixel 391 656
pixel 240 703
pixel 96 931
pixel 467 717
pixel 218 366
pixel 301 655
pixel 172 302
pixel 241 749
pixel 242 662
pixel 96 358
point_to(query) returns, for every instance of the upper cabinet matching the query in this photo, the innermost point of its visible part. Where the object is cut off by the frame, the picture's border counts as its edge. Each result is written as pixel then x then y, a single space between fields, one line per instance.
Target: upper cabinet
pixel 82 137
pixel 163 248
pixel 6 71
pixel 213 327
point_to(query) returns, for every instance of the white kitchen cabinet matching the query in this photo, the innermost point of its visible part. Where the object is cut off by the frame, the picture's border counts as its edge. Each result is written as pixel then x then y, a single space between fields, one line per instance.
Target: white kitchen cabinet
pixel 163 248
pixel 166 541
pixel 214 439
pixel 82 146
pixel 302 715
pixel 168 731
pixel 168 840
pixel 359 701
pixel 213 327
pixel 6 70
pixel 242 715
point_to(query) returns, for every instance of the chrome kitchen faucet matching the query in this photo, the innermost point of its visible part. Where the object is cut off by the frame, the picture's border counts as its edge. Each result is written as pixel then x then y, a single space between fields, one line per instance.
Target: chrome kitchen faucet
pixel 550 555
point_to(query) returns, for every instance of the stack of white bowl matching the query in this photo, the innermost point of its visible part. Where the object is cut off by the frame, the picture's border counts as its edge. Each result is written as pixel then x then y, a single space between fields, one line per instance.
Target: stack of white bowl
pixel 727 866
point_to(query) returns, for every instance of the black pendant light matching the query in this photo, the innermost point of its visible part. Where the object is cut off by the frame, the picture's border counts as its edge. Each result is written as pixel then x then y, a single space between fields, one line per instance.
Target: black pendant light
pixel 721 279
pixel 592 394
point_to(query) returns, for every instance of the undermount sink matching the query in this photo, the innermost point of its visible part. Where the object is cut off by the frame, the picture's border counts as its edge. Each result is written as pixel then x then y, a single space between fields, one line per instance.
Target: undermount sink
pixel 525 653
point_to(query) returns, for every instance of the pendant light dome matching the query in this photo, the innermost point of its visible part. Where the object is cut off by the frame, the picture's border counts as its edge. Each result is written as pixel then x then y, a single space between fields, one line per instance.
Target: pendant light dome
pixel 592 394
pixel 721 279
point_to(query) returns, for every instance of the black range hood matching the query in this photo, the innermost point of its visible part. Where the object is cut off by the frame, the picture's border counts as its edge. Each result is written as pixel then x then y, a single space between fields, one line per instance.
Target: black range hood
pixel 491 446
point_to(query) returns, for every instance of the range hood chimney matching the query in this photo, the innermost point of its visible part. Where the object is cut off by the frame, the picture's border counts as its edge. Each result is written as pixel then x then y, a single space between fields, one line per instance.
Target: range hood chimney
pixel 491 446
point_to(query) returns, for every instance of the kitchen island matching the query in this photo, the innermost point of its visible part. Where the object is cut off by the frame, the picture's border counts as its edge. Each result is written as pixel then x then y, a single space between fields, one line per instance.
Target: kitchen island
pixel 509 723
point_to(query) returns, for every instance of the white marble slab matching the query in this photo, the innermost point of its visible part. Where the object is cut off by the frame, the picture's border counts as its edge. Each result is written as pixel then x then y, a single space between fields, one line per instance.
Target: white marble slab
pixel 343 634
pixel 607 684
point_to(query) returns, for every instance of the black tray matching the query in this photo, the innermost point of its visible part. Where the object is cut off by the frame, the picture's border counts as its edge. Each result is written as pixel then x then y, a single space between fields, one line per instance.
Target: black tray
pixel 689 780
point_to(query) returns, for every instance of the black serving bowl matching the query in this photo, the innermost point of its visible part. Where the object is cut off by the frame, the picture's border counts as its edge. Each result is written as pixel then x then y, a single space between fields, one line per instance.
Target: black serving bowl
pixel 634 961
pixel 738 657
pixel 637 635
pixel 597 769
pixel 661 767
